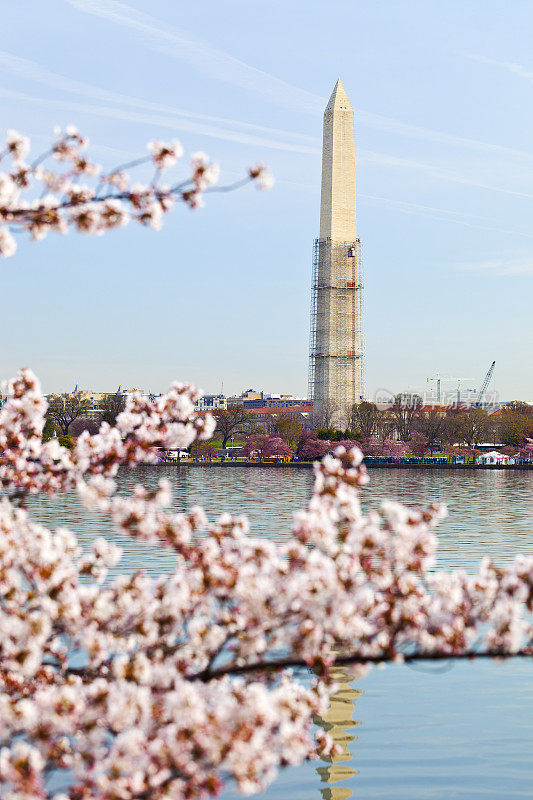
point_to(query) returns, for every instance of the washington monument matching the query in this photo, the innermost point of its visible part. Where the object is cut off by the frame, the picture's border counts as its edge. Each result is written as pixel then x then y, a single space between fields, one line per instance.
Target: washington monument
pixel 336 351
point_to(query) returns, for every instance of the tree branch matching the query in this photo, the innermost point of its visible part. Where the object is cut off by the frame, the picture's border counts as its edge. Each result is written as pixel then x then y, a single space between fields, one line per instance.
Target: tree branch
pixel 355 658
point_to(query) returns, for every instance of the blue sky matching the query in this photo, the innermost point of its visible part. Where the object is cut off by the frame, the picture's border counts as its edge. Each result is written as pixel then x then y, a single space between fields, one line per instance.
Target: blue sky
pixel 442 96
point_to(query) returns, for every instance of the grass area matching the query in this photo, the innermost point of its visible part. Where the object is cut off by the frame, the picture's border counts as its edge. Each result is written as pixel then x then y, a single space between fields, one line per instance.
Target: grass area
pixel 218 443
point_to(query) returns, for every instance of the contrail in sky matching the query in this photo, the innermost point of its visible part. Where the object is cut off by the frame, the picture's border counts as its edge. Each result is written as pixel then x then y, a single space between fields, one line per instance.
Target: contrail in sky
pixel 436 172
pixel 31 70
pixel 207 59
pixel 500 266
pixel 444 214
pixel 510 66
pixel 176 124
pixel 170 122
pixel 216 63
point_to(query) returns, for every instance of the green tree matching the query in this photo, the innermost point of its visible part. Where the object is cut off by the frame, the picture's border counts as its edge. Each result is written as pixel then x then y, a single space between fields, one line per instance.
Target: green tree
pixel 471 426
pixel 433 425
pixel 111 406
pixel 514 424
pixel 49 430
pixel 232 420
pixel 63 409
pixel 364 417
pixel 325 413
pixel 200 449
pixel 290 429
pixel 405 410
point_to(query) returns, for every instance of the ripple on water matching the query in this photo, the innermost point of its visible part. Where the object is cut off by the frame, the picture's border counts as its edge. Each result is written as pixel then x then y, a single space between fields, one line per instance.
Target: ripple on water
pixel 420 735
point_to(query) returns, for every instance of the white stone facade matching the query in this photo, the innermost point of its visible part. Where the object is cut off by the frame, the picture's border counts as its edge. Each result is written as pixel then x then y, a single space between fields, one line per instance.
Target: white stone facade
pixel 336 362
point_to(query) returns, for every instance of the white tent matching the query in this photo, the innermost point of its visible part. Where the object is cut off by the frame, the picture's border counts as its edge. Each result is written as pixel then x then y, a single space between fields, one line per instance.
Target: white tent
pixel 492 457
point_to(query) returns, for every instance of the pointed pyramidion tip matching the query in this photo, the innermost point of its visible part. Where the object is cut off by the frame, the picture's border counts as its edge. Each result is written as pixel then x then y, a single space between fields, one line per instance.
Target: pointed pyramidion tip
pixel 339 99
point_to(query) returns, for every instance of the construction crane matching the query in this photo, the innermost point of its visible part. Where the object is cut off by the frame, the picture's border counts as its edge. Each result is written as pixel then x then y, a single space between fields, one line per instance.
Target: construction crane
pixel 485 385
pixel 440 379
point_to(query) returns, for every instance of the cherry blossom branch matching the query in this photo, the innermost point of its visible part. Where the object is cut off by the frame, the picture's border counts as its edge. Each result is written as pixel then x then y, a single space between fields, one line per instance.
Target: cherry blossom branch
pixel 112 683
pixel 211 673
pixel 276 665
pixel 39 201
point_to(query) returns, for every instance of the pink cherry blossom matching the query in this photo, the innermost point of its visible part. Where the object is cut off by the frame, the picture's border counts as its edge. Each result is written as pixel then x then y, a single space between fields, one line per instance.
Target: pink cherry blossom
pixel 46 217
pixel 262 176
pixel 21 175
pixel 17 145
pixel 8 246
pixel 205 173
pixel 165 154
pixel 119 178
pixel 151 215
pixel 54 182
pixel 41 198
pixel 82 166
pixel 87 218
pixel 135 686
pixel 8 190
pixel 193 198
pixel 113 214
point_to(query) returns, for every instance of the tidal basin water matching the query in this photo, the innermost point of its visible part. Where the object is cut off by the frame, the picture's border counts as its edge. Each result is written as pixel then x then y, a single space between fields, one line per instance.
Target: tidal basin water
pixel 462 731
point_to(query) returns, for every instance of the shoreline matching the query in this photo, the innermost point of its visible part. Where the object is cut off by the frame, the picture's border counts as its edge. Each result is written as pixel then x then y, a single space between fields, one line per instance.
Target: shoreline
pixel 309 464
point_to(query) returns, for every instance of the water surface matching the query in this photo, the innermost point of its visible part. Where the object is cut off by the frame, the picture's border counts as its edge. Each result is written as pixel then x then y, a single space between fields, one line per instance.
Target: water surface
pixel 407 734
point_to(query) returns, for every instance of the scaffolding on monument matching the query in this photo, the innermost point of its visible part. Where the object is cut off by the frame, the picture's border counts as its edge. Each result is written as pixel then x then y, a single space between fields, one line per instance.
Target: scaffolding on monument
pixel 336 364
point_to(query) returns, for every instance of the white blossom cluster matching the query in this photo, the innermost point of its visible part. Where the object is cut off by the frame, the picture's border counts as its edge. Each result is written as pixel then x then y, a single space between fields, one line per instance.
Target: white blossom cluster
pixel 141 688
pixel 41 199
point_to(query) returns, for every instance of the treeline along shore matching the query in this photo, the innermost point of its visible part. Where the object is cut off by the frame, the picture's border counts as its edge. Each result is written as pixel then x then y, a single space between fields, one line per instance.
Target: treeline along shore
pixel 228 463
pixel 406 434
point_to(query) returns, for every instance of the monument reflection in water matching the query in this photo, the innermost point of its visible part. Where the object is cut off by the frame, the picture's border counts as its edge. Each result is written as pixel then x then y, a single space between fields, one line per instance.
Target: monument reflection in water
pixel 338 722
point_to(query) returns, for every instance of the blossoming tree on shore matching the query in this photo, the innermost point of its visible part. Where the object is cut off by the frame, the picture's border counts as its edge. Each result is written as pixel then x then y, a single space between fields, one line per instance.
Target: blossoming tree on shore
pixel 266 446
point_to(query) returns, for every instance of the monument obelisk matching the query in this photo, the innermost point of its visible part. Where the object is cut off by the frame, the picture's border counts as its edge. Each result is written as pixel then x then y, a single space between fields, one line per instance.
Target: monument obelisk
pixel 336 352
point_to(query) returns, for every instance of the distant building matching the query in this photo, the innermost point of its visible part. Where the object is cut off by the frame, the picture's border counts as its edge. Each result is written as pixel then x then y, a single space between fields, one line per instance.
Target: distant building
pixel 269 415
pixel 252 399
pixel 273 402
pixel 248 396
pixel 96 399
pixel 210 402
pixel 493 457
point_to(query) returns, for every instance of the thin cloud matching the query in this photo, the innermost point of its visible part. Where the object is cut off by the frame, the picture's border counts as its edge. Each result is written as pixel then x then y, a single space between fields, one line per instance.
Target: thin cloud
pixel 31 70
pixel 501 266
pixel 435 172
pixel 203 56
pixel 172 123
pixel 429 135
pixel 510 66
pixel 444 215
pixel 418 209
pixel 104 149
pixel 216 63
pixel 181 120
pixel 176 124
